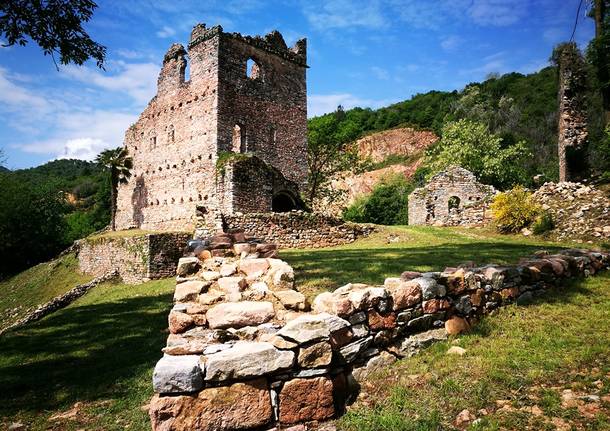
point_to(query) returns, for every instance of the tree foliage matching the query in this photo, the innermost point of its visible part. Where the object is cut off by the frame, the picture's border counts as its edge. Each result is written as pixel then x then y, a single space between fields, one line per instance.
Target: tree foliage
pixel 387 204
pixel 32 225
pixel 55 25
pixel 472 146
pixel 328 153
pixel 118 164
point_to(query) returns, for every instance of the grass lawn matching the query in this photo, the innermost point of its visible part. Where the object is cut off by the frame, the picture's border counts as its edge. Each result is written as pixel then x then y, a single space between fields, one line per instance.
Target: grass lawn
pixel 37 285
pixel 89 365
pixel 517 365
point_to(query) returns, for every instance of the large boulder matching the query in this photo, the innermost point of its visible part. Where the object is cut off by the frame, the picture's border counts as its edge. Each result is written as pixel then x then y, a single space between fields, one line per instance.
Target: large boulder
pixel 239 314
pixel 308 328
pixel 237 407
pixel 306 400
pixel 246 359
pixel 177 374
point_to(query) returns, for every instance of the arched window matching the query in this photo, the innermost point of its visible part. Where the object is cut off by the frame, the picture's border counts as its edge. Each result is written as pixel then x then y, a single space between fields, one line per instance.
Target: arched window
pixel 453 203
pixel 253 70
pixel 170 134
pixel 239 139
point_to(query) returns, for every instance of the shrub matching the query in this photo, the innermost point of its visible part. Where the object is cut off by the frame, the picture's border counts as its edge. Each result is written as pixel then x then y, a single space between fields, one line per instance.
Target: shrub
pixel 387 204
pixel 543 223
pixel 472 146
pixel 515 210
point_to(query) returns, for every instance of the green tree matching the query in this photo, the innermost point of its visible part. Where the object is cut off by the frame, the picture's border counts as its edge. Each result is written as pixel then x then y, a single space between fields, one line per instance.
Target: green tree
pixel 118 163
pixel 55 25
pixel 328 154
pixel 387 204
pixel 472 146
pixel 598 51
pixel 32 224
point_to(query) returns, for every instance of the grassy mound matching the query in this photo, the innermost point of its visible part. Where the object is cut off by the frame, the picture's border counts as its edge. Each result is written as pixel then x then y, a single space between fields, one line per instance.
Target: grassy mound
pixel 37 285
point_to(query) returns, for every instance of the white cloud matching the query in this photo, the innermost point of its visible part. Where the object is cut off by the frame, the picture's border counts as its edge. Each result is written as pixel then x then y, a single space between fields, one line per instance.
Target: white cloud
pixel 339 14
pixel 434 14
pixel 318 104
pixel 166 32
pixel 449 43
pixel 497 13
pixel 84 134
pixel 138 80
pixel 380 73
pixel 16 98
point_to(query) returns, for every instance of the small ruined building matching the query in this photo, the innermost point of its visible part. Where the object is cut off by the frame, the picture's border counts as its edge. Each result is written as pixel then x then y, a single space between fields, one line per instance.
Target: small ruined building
pixel 452 198
pixel 230 139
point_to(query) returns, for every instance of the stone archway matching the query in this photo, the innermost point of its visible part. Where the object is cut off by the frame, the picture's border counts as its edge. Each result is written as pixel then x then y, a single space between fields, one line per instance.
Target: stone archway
pixel 283 202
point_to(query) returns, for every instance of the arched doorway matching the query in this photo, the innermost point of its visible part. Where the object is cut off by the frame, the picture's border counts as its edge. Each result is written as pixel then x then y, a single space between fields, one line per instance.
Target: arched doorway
pixel 453 203
pixel 283 202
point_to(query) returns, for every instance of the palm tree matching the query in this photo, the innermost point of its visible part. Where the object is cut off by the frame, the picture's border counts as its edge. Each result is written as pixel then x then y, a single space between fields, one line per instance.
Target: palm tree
pixel 118 162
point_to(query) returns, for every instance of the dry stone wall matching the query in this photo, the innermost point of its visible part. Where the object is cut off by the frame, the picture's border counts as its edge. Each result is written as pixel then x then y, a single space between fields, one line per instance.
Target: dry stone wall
pixel 297 229
pixel 136 258
pixel 246 352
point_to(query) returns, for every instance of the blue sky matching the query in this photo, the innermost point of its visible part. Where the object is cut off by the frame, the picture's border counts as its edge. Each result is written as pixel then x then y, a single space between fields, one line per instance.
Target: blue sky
pixel 361 53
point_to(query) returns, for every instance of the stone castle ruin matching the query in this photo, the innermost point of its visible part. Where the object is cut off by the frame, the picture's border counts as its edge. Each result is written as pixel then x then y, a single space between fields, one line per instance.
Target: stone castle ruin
pixel 453 197
pixel 231 139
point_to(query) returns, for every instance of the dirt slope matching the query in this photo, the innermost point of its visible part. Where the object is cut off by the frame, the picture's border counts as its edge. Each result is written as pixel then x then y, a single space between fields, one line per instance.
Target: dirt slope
pixel 403 141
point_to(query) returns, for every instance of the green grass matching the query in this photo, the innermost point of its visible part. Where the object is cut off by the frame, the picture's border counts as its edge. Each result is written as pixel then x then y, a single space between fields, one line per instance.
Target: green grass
pixel 520 354
pixel 372 259
pixel 37 285
pixel 99 351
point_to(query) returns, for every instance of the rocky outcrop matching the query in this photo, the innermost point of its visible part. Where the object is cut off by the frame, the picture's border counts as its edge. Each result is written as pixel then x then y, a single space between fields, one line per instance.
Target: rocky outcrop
pixel 401 141
pixel 579 211
pixel 293 367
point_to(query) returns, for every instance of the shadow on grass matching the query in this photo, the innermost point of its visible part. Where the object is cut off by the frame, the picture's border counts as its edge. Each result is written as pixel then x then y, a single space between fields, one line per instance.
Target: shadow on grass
pixel 82 353
pixel 373 265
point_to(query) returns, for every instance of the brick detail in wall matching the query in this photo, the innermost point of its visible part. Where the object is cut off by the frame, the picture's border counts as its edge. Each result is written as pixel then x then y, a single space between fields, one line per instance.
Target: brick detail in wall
pixel 453 197
pixel 222 107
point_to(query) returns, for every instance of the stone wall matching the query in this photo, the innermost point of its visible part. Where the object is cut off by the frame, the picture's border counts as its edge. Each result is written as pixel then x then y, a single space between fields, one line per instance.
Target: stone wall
pixel 136 258
pixel 453 197
pixel 297 229
pixel 178 139
pixel 573 133
pixel 245 353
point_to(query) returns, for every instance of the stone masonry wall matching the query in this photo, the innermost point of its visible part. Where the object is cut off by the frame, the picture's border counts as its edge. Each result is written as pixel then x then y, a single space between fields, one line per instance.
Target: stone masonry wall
pixel 573 133
pixel 137 259
pixel 297 229
pixel 245 353
pixel 431 204
pixel 177 140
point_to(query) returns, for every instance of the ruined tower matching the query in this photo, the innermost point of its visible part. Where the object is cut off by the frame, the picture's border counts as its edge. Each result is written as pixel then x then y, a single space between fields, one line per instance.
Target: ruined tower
pixel 573 133
pixel 231 138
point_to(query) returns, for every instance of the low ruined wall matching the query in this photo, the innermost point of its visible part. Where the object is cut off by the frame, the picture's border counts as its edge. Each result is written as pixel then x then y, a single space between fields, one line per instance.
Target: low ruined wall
pixel 245 353
pixel 297 229
pixel 136 258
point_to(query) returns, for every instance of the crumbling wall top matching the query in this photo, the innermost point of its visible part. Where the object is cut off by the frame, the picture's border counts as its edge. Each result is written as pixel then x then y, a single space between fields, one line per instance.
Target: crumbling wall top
pixel 273 42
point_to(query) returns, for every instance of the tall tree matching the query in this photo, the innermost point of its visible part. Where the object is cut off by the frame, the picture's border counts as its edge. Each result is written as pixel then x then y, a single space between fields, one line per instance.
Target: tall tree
pixel 119 164
pixel 598 51
pixel 55 25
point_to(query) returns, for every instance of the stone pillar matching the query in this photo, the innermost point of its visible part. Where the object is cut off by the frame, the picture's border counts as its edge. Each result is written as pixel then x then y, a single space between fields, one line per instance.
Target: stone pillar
pixel 573 134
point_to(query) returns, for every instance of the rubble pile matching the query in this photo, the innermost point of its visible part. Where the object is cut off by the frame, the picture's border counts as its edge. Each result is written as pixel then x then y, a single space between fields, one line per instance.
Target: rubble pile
pixel 579 211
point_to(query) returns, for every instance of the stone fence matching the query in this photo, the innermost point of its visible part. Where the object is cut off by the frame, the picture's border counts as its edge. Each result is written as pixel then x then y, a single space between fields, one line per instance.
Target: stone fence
pixel 245 352
pixel 297 229
pixel 136 258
